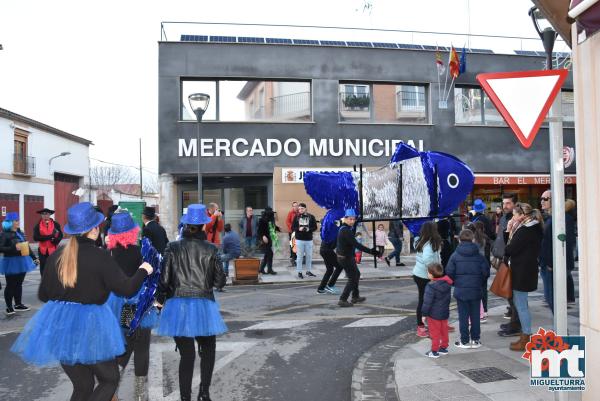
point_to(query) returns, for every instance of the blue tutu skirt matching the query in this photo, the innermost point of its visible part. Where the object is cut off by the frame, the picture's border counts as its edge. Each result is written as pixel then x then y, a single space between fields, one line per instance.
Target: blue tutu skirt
pixel 115 303
pixel 10 265
pixel 190 317
pixel 70 333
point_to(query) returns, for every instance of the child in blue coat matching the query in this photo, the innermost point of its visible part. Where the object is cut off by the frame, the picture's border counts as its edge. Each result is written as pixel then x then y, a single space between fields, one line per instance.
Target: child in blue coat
pixel 436 307
pixel 468 269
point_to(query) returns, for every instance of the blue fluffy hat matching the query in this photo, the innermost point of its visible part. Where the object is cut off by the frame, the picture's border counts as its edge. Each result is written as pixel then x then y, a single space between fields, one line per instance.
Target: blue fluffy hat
pixel 81 218
pixel 196 215
pixel 121 223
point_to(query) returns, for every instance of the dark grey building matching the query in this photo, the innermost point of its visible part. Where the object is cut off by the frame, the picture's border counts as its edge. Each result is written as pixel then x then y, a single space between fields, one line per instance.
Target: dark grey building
pixel 279 107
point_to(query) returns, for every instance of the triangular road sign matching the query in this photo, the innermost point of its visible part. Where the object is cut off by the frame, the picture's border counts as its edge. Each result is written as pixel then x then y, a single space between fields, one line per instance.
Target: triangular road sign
pixel 523 98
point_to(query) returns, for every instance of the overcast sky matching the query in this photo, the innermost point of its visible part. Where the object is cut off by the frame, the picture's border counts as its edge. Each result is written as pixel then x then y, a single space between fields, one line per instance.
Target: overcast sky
pixel 90 68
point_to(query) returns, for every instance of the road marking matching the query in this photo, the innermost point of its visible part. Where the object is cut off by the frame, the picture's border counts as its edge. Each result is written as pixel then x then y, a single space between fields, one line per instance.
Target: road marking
pixel 278 324
pixel 156 372
pixel 375 322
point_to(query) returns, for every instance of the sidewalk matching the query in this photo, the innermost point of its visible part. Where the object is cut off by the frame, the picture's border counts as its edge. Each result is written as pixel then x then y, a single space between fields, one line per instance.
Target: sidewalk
pixel 420 378
pixel 287 273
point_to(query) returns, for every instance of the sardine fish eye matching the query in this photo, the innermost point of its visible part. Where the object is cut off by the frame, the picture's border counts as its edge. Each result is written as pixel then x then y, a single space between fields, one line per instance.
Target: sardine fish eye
pixel 453 180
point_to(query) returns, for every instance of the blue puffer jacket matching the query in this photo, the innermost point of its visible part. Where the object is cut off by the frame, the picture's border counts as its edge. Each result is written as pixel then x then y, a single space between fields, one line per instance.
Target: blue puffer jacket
pixel 436 303
pixel 469 270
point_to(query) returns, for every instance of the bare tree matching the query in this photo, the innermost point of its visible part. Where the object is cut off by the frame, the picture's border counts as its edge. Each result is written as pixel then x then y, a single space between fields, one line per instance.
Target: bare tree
pixel 150 183
pixel 106 177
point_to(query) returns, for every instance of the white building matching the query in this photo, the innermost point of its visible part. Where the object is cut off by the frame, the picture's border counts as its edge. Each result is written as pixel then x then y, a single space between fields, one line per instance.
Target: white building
pixel 40 166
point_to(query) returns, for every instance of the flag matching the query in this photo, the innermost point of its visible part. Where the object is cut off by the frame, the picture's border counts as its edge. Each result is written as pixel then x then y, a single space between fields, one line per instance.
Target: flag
pixel 454 63
pixel 463 61
pixel 439 63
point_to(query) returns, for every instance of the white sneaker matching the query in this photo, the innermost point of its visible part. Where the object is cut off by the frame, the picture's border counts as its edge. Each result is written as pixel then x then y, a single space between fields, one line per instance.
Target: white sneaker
pixel 462 345
pixel 475 344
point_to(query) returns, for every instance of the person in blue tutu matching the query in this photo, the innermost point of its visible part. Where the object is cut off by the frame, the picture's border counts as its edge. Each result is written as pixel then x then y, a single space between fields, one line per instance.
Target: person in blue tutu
pixel 18 260
pixel 121 241
pixel 191 270
pixel 75 328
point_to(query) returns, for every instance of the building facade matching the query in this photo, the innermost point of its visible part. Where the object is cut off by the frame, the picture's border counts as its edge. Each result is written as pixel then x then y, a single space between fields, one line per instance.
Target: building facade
pixel 33 175
pixel 279 108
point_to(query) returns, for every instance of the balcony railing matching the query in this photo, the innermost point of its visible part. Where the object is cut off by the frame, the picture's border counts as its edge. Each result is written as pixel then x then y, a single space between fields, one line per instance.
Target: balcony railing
pixel 410 101
pixel 350 101
pixel 294 105
pixel 23 165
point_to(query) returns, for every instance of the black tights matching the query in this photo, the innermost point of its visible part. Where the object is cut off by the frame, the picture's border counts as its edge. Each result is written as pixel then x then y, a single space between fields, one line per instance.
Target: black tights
pixel 421 283
pixel 139 345
pixel 206 350
pixel 14 289
pixel 333 268
pixel 82 377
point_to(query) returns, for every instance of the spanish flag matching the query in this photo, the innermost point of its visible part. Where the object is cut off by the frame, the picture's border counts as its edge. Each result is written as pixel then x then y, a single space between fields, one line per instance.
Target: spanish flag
pixel 454 63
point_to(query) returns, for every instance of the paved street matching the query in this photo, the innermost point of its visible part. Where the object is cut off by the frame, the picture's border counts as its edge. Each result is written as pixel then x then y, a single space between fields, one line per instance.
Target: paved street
pixel 287 342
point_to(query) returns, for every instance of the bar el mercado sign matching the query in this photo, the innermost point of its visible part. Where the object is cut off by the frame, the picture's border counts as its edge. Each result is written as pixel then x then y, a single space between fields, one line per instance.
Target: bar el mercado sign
pixel 241 147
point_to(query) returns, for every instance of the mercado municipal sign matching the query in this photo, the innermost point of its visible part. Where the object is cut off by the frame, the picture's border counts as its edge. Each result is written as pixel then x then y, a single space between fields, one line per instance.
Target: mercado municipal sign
pixel 241 147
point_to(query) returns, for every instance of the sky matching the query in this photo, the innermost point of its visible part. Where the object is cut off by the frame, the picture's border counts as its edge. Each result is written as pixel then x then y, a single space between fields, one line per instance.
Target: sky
pixel 91 68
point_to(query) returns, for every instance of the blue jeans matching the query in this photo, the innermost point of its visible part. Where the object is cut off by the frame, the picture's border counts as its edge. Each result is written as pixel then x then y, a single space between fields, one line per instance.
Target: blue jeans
pixel 225 258
pixel 304 248
pixel 469 310
pixel 249 244
pixel 520 299
pixel 397 243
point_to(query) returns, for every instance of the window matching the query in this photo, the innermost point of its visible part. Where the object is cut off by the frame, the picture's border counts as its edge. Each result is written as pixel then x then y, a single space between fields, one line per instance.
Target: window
pixel 22 164
pixel 237 100
pixel 383 103
pixel 568 108
pixel 473 107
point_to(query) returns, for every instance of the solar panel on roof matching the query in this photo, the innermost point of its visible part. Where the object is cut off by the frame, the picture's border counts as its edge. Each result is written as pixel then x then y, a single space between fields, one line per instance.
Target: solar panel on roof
pixel 194 38
pixel 223 39
pixel 278 41
pixel 383 45
pixel 410 47
pixel 359 44
pixel 428 47
pixel 526 53
pixel 333 43
pixel 249 39
pixel 483 51
pixel 306 42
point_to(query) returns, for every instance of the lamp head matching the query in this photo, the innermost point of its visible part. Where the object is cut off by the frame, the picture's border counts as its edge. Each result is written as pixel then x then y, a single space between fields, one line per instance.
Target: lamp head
pixel 199 103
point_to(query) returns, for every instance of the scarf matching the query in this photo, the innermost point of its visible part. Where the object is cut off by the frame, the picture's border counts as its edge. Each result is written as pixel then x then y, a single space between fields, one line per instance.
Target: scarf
pixel 47 247
pixel 512 228
pixel 273 235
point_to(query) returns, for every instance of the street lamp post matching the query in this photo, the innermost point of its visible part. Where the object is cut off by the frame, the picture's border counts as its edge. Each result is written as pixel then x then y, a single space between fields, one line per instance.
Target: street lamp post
pixel 548 36
pixel 199 103
pixel 54 157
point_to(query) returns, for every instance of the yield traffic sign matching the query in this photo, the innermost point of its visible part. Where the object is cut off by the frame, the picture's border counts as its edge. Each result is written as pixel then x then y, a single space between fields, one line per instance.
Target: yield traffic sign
pixel 523 98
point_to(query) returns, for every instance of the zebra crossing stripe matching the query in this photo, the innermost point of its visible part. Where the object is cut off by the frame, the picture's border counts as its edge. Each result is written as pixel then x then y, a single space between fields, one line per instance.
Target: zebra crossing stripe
pixel 278 324
pixel 375 322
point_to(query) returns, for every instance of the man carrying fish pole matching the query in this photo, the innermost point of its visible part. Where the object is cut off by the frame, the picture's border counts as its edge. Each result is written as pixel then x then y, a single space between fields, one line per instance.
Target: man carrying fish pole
pixel 346 244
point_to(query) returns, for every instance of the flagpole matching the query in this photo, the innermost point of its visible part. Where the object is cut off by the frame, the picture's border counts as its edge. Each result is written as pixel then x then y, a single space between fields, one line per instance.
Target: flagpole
pixel 449 89
pixel 448 69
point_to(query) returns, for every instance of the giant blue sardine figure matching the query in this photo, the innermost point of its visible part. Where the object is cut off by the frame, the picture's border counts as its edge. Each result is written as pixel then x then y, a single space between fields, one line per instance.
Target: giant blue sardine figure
pixel 433 185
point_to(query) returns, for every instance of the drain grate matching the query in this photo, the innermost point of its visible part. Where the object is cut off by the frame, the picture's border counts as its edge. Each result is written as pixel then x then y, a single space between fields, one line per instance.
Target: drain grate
pixel 487 375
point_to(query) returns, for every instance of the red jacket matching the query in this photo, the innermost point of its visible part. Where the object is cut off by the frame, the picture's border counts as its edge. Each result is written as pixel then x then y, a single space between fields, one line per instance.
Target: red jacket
pixel 290 219
pixel 214 228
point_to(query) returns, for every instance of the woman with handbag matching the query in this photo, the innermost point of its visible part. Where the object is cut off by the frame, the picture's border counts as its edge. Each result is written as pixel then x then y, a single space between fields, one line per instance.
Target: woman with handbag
pixel 191 270
pixel 428 247
pixel 75 327
pixel 523 249
pixel 121 241
pixel 18 260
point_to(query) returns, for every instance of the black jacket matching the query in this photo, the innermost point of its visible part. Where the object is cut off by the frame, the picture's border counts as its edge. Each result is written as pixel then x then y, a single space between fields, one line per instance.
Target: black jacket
pixel 469 270
pixel 436 301
pixel 191 269
pixel 8 240
pixel 347 243
pixel 129 259
pixel 157 236
pixel 305 220
pixel 487 224
pixel 546 258
pixel 97 275
pixel 523 251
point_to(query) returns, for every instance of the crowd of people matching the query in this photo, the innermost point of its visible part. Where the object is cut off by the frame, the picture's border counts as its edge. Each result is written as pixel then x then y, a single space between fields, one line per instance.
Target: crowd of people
pixel 98 277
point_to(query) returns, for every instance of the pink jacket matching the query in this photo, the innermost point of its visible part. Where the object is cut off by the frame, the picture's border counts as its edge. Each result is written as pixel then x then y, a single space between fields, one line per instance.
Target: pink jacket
pixel 380 237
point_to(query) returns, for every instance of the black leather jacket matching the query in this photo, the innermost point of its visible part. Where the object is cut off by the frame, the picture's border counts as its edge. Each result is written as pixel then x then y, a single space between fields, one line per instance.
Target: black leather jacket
pixel 191 269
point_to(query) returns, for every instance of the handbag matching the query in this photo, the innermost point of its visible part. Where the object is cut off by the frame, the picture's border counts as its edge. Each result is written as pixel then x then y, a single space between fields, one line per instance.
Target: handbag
pixel 502 284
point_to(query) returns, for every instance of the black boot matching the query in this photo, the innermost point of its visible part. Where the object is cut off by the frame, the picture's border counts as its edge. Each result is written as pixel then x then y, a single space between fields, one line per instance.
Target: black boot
pixel 203 395
pixel 270 270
